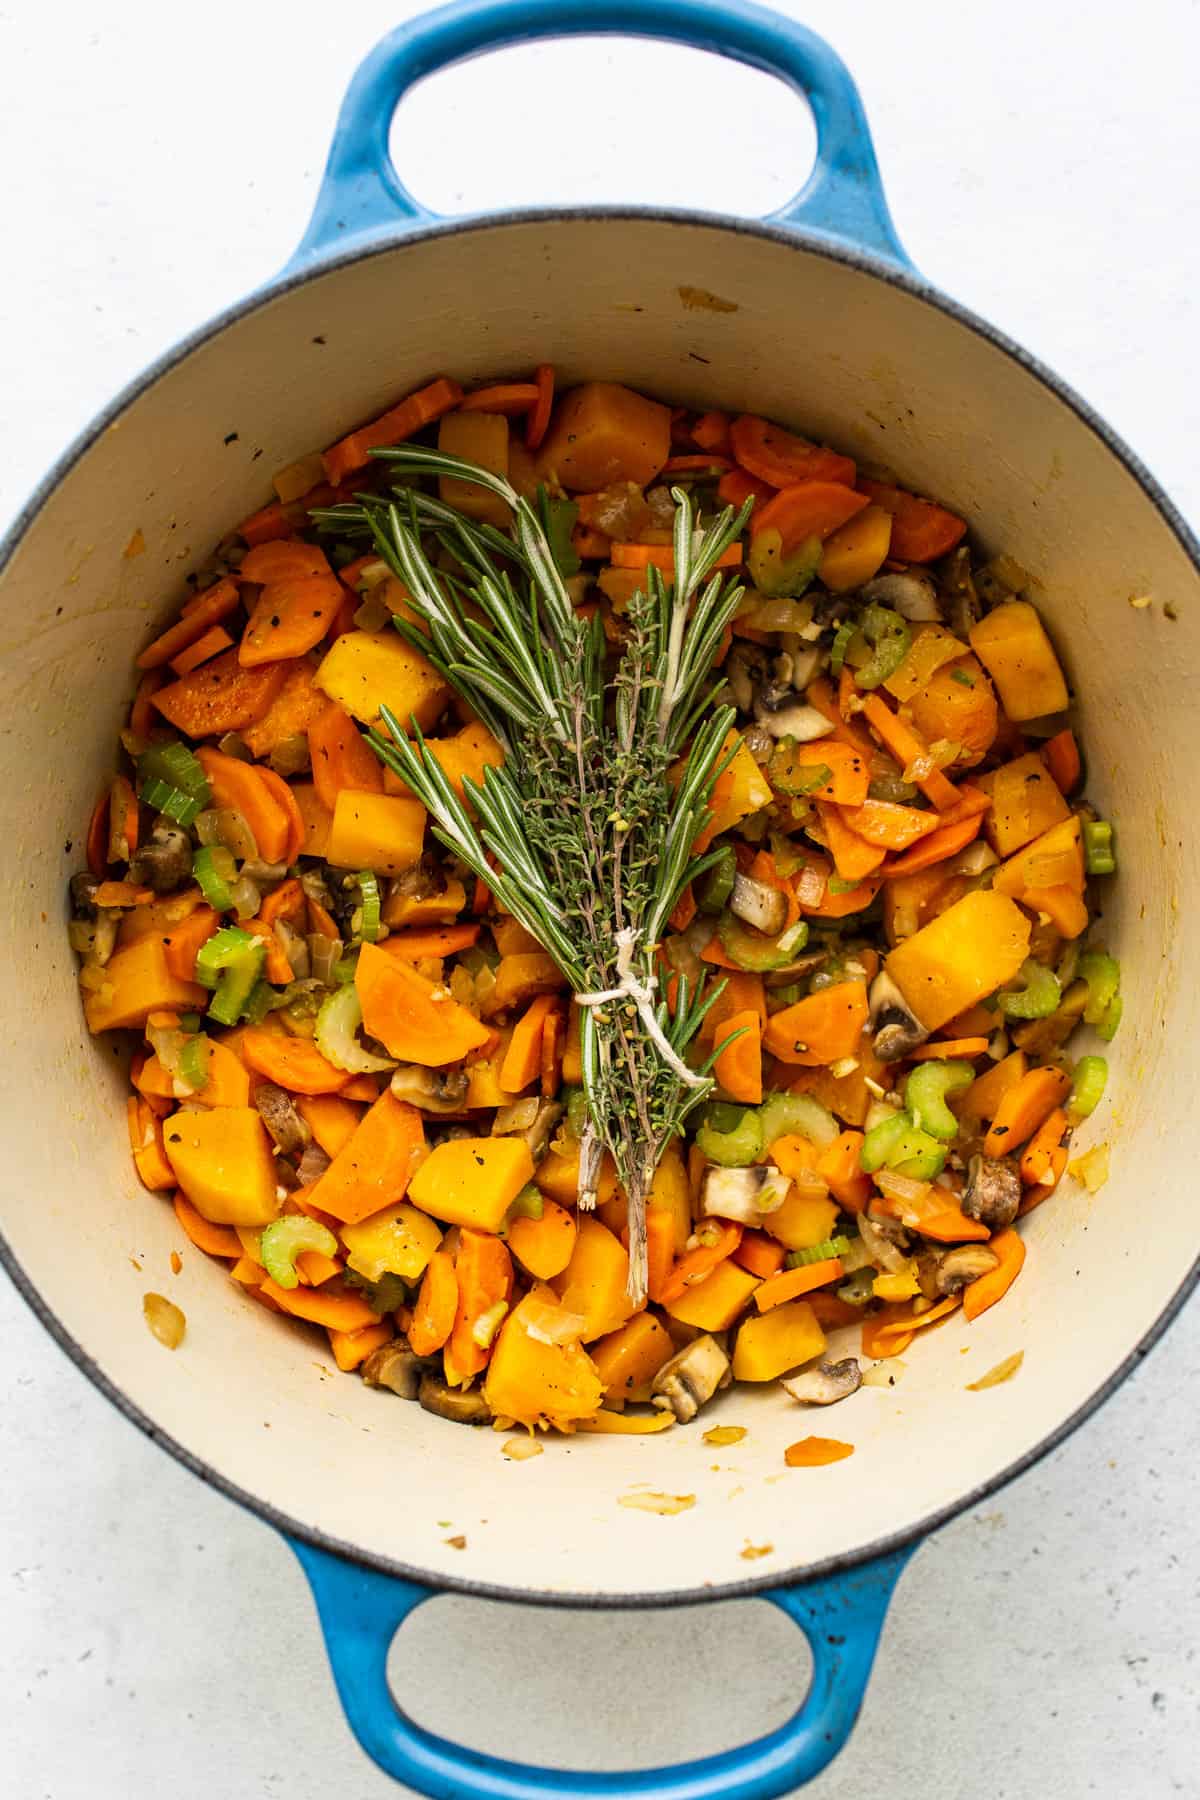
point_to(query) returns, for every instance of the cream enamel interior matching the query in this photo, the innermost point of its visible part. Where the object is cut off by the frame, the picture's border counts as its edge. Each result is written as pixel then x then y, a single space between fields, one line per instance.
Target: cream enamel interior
pixel 825 347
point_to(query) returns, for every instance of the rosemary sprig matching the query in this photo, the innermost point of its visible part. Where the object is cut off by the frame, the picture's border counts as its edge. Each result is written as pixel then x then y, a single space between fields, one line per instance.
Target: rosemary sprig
pixel 581 833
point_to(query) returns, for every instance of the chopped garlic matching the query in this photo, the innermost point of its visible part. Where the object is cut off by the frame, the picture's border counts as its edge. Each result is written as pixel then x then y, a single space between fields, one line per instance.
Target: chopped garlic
pixel 1140 602
pixel 1003 1371
pixel 520 1449
pixel 725 1434
pixel 1092 1168
pixel 657 1503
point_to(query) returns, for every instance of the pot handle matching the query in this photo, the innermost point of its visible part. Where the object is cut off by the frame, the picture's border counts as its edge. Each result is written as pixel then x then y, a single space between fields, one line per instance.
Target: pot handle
pixel 841 1616
pixel 362 196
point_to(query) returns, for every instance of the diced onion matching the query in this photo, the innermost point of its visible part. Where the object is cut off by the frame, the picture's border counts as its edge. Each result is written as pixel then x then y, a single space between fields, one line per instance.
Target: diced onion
pixel 517 1117
pixel 225 825
pixel 291 757
pixel 778 615
pixel 246 898
pixel 547 1323
pixel 901 1188
pixel 164 1319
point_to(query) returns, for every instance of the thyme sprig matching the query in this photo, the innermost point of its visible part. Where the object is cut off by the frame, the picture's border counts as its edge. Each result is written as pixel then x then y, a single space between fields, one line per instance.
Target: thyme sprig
pixel 585 833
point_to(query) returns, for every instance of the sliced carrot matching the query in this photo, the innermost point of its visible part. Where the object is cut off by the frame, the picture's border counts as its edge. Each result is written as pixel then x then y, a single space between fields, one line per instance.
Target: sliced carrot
pixel 893 826
pixel 1061 755
pixel 878 1340
pixel 182 943
pixel 314 1267
pixel 283 559
pixel 286 798
pixel 319 919
pixel 793 1282
pixel 738 1067
pixel 484 1272
pixel 831 1312
pixel 122 893
pixel 141 713
pixel 853 858
pixel 508 397
pixel 352 1348
pixel 711 432
pixel 341 758
pixel 290 1062
pixel 695 1264
pixel 289 618
pixel 221 696
pixel 904 744
pixel 811 509
pixel 331 1118
pixel 97 836
pixel 338 1312
pixel 738 486
pixel 781 458
pixel 392 427
pixel 1025 1108
pixel 538 422
pixel 816 1452
pixel 980 1294
pixel 840 1165
pixel 1038 1157
pixel 921 530
pixel 277 967
pixel 203 650
pixel 421 941
pixel 361 1087
pixel 966 1047
pixel 269 522
pixel 824 1027
pixel 436 1305
pixel 660 1249
pixel 939 845
pixel 523 1058
pixel 553 1050
pixel 759 1255
pixel 284 902
pixel 146 1144
pixel 938 1215
pixel 243 786
pixel 662 556
pixel 820 694
pixel 697 465
pixel 849 771
pixel 214 1240
pixel 684 910
pixel 208 608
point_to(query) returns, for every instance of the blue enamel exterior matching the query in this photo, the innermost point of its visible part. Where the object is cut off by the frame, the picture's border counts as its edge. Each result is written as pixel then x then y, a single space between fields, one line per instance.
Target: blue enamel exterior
pixel 361 199
pixel 842 1618
pixel 362 196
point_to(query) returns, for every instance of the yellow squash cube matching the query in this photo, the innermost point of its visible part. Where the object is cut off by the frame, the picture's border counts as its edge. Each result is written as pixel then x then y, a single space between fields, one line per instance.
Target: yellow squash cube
pixel 482 438
pixel 1053 860
pixel 967 952
pixel 1025 802
pixel 774 1342
pixel 472 1181
pixel 1012 645
pixel 375 831
pixel 365 670
pixel 714 1303
pixel 397 1241
pixel 222 1160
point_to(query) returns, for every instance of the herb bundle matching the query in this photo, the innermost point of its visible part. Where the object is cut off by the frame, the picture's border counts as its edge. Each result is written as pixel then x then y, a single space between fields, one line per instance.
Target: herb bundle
pixel 585 833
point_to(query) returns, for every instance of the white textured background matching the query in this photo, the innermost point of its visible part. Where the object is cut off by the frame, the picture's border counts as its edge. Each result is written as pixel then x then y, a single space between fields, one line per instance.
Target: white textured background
pixel 159 161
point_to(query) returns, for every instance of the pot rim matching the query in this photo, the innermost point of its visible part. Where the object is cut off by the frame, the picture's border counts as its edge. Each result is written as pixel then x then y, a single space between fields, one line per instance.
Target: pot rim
pixel 789 237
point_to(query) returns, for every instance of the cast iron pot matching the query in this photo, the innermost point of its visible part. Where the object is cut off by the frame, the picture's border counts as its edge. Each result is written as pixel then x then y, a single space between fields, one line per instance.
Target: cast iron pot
pixel 831 330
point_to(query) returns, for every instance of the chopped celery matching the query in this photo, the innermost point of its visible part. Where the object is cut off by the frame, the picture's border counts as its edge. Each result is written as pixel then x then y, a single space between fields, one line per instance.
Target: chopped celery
pixel 365 921
pixel 1087 1086
pixel 889 637
pixel 790 777
pixel 171 781
pixel 216 871
pixel 777 575
pixel 230 962
pixel 263 999
pixel 735 1146
pixel 384 1295
pixel 881 1140
pixel 1103 976
pixel 337 1034
pixel 193 1063
pixel 1107 1028
pixel 527 1205
pixel 1037 998
pixel 1099 852
pixel 928 1088
pixel 796 1115
pixel 558 522
pixel 284 1240
pixel 804 1259
pixel 859 1288
pixel 190 1021
pixel 577 1111
pixel 753 950
pixel 898 1144
pixel 841 643
pixel 712 896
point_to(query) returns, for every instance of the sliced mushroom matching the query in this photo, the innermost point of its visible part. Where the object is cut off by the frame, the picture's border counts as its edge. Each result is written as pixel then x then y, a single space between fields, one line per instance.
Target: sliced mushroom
pixel 758 904
pixel 803 965
pixel 279 1115
pixel 83 895
pixel 746 1195
pixel 466 1406
pixel 312 1165
pixel 958 587
pixel 264 872
pixel 396 1367
pixel 964 1265
pixel 745 672
pixel 164 861
pixel 885 1241
pixel 691 1377
pixel 826 1383
pixel 783 713
pixel 432 1090
pixel 914 597
pixel 897 1029
pixel 538 1134
pixel 993 1191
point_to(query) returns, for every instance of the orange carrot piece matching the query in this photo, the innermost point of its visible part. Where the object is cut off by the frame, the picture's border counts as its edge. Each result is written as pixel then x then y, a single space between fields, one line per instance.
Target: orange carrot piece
pixel 831 1312
pixel 684 910
pixel 508 397
pixel 436 1304
pixel 373 1169
pixel 697 465
pixel 695 1264
pixel 793 1282
pixel 277 967
pixel 759 1255
pixel 853 858
pixel 182 943
pixel 319 919
pixel 290 1062
pixel 662 556
pixel 822 1028
pixel 966 1047
pixel 738 486
pixel 921 530
pixel 314 1267
pixel 902 742
pixel 816 1452
pixel 936 848
pixel 146 1144
pixel 361 1087
pixel 538 422
pixel 1037 1159
pixel 209 608
pixel 711 432
pixel 244 787
pixel 351 1348
pixel 122 893
pixel 1034 1196
pixel 738 1067
pixel 660 1250
pixel 820 694
pixel 993 1286
pixel 523 1058
pixel 214 1240
pixel 937 1216
pixel 878 1340
pixel 203 650
pixel 283 559
pixel 811 509
pixel 553 1049
pixel 887 823
pixel 781 458
pixel 1061 755
pixel 341 758
pixel 289 618
pixel 290 806
pixel 849 772
pixel 392 427
pixel 284 902
pixel 338 1312
pixel 1025 1108
pixel 839 1164
pixel 430 941
pixel 141 713
pixel 484 1272
pixel 221 696
pixel 269 522
pixel 97 836
pixel 122 820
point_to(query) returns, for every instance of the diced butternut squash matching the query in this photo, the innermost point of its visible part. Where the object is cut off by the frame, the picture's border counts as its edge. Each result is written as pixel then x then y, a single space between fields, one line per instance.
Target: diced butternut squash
pixel 628 1360
pixel 774 1342
pixel 970 950
pixel 714 1303
pixel 483 1078
pixel 1012 644
pixel 222 1160
pixel 417 1020
pixel 602 433
pixel 365 670
pixel 375 1166
pixel 376 831
pixel 472 1181
pixel 157 916
pixel 558 1177
pixel 1053 860
pixel 440 908
pixel 544 1246
pixel 670 1193
pixel 852 554
pixel 318 820
pixel 397 1241
pixel 593 1282
pixel 1025 802
pixel 803 1220
pixel 982 1099
pixel 958 704
pixel 846 1095
pixel 482 438
pixel 469 752
pixel 332 1120
pixel 529 1380
pixel 739 790
pixel 520 978
pixel 137 982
